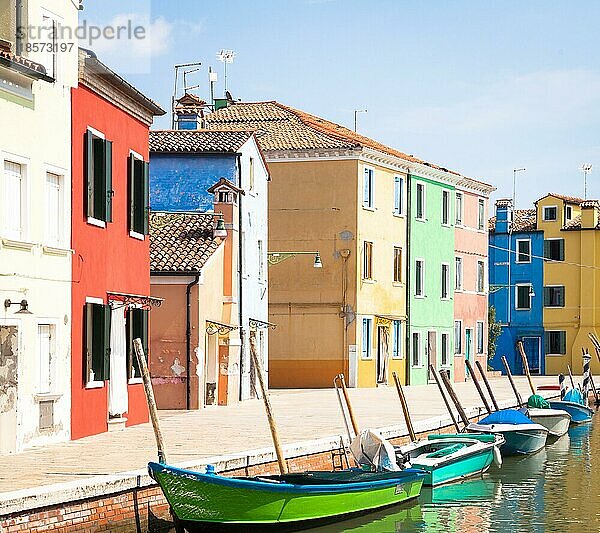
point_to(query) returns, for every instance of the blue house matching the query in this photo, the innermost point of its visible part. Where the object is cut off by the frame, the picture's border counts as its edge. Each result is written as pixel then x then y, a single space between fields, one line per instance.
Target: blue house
pixel 516 275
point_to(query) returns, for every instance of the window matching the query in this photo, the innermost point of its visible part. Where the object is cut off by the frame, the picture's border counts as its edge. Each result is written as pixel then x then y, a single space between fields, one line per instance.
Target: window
pixel 48 43
pixel 554 249
pixel 550 213
pixel 367 332
pixel 47 351
pixel 445 208
pixel 554 296
pixel 480 334
pixel 458 274
pixel 555 342
pixel 445 280
pixel 367 260
pixel 54 209
pixel 420 277
pixel 138 195
pixel 251 173
pixel 457 337
pixel 459 208
pixel 368 188
pixel 420 201
pixel 480 276
pixel 445 349
pixel 523 296
pixel 398 195
pixel 416 349
pixel 14 201
pixel 523 251
pixel 97 342
pixel 137 328
pixel 481 214
pixel 261 263
pixel 397 339
pixel 397 264
pixel 98 163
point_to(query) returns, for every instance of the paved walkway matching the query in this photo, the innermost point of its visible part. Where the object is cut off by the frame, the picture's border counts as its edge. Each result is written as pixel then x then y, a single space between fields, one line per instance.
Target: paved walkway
pixel 301 415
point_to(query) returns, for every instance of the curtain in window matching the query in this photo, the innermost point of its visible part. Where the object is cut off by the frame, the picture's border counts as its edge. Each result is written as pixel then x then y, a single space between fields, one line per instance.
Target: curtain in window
pixel 117 386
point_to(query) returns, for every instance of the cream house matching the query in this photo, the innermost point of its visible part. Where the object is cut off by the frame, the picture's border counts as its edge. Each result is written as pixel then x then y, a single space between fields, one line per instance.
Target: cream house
pixel 35 255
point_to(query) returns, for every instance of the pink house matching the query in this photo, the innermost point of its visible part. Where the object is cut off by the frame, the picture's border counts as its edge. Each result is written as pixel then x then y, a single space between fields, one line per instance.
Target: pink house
pixel 471 280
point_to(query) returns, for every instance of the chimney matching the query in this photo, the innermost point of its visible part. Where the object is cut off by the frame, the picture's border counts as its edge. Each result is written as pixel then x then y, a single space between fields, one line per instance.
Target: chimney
pixel 589 214
pixel 503 215
pixel 189 110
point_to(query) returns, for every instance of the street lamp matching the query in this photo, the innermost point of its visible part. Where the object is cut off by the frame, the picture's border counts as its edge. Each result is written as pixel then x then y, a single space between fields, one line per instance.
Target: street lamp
pixel 274 258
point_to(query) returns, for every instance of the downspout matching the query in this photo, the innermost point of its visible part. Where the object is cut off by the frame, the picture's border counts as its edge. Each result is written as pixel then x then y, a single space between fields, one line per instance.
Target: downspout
pixel 408 271
pixel 240 292
pixel 188 338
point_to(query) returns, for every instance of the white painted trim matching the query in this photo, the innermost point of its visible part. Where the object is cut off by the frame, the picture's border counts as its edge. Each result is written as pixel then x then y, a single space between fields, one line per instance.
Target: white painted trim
pixel 96 132
pixel 371 206
pixel 477 322
pixel 446 193
pixel 442 297
pixel 403 189
pixel 136 235
pixel 94 300
pixel 369 357
pixel 517 241
pixel 96 222
pixel 401 343
pixel 544 207
pixel 424 185
pixel 462 273
pixel 94 385
pixel 423 291
pixel 462 329
pixel 136 155
pixel 135 381
pixel 517 285
pixel 460 224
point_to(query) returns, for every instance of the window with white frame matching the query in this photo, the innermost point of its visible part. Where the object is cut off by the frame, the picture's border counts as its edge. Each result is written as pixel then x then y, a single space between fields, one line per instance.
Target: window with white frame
pixel 445 207
pixel 367 333
pixel 48 44
pixel 459 208
pixel 420 277
pixel 54 209
pixel 397 340
pixel 568 212
pixel 523 294
pixel 416 349
pixel 398 195
pixel 481 214
pixel 445 281
pixel 458 274
pixel 369 188
pixel 523 250
pixel 457 337
pixel 445 340
pixel 550 213
pixel 480 276
pixel 14 201
pixel 480 337
pixel 46 355
pixel 420 212
pixel 397 264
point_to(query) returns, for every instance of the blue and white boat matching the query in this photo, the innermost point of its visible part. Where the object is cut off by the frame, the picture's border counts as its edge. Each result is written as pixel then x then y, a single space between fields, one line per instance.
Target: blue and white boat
pixel 574 404
pixel 521 434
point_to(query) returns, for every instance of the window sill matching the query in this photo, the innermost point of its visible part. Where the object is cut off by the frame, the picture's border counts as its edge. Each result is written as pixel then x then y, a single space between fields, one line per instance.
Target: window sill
pixel 397 358
pixel 95 385
pixel 555 354
pixel 420 219
pixel 399 215
pixel 523 262
pixel 136 235
pixel 367 208
pixel 96 222
pixel 18 244
pixel 522 308
pixel 370 281
pixel 370 358
pixel 398 284
pixel 446 225
pixel 447 299
pixel 419 366
pixel 554 307
pixel 135 381
pixel 52 250
pixel 46 397
pixel 420 296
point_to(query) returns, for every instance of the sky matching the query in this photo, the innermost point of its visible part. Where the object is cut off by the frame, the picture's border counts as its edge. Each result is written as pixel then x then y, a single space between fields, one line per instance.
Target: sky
pixel 481 87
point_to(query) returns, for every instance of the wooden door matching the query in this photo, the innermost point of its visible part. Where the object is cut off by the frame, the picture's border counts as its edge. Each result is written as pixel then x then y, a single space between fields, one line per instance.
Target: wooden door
pixel 431 352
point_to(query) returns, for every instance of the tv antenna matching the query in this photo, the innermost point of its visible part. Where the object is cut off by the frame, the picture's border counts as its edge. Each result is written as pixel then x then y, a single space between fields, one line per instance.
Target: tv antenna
pixel 174 96
pixel 586 168
pixel 225 57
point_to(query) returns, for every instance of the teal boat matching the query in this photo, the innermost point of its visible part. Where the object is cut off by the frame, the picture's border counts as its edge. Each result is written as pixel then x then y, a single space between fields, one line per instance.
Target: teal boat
pixel 299 500
pixel 448 458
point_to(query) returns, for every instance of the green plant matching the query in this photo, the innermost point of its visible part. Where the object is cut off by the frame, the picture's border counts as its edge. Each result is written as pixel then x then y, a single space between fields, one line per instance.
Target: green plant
pixel 494 331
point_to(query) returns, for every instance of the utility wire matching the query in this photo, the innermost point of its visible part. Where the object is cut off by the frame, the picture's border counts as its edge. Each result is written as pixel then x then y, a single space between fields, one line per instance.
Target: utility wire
pixel 554 261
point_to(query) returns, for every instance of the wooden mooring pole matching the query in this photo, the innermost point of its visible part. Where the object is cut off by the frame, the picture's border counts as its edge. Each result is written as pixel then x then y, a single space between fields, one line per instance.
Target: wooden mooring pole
pixel 452 394
pixel 487 385
pixel 477 386
pixel 283 467
pixel 141 358
pixel 342 381
pixel 439 384
pixel 571 376
pixel 525 365
pixel 512 383
pixel 409 426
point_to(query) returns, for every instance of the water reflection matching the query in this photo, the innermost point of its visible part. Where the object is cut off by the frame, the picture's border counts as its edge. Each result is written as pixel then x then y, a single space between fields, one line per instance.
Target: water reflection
pixel 556 489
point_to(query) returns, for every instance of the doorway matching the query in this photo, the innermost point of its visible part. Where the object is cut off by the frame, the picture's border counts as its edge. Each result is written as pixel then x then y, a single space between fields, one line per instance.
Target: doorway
pixel 533 351
pixel 431 353
pixel 468 343
pixel 383 348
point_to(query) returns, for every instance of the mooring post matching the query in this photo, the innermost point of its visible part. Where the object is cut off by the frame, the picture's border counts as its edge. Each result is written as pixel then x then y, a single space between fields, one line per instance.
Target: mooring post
pixel 525 365
pixel 477 386
pixel 437 380
pixel 512 383
pixel 454 398
pixel 487 385
pixel 409 426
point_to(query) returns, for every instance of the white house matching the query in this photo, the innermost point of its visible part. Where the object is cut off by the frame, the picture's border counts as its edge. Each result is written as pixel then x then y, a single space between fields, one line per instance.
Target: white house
pixel 35 255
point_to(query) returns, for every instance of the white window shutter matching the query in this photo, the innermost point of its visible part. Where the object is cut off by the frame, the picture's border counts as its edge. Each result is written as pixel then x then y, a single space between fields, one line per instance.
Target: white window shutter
pixel 13 200
pixel 53 194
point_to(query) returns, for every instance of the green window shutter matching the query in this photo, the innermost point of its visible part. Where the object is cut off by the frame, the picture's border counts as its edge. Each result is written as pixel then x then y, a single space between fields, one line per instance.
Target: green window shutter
pixel 137 195
pixel 546 296
pixel 546 342
pixel 561 254
pixel 88 347
pixel 106 316
pixel 108 179
pixel 547 249
pixel 563 342
pixel 89 173
pixel 146 196
pixel 130 183
pixel 99 207
pixel 97 316
pixel 561 296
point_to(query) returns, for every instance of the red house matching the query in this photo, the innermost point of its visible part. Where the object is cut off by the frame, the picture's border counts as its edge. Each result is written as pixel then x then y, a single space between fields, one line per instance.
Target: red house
pixel 111 256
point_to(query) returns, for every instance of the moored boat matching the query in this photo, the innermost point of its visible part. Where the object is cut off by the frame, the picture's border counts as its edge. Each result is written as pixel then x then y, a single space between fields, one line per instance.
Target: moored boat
pixel 448 458
pixel 521 434
pixel 538 409
pixel 574 404
pixel 200 500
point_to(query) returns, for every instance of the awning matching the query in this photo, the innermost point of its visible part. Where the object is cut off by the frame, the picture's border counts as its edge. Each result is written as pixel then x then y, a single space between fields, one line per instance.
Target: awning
pixel 145 302
pixel 213 327
pixel 260 324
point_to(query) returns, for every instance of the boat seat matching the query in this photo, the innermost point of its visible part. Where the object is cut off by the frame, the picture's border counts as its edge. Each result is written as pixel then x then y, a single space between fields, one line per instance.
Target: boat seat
pixel 446 450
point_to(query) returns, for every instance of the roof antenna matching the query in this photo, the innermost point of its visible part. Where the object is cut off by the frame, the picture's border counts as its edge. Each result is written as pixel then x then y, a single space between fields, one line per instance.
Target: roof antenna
pixel 356 112
pixel 586 168
pixel 174 96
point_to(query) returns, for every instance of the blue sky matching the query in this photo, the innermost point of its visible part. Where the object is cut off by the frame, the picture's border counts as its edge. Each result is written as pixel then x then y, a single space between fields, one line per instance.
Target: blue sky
pixel 479 87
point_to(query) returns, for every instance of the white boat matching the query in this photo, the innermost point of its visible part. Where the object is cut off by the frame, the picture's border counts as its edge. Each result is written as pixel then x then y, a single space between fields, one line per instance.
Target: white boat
pixel 556 421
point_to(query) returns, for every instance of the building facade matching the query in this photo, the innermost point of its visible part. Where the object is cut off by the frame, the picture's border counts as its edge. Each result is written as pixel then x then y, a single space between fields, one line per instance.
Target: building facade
pixel 35 207
pixel 225 173
pixel 111 266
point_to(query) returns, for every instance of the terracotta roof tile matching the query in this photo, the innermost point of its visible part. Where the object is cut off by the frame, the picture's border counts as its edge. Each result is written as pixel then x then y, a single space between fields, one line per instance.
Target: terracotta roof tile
pixel 198 140
pixel 23 64
pixel 181 242
pixel 525 220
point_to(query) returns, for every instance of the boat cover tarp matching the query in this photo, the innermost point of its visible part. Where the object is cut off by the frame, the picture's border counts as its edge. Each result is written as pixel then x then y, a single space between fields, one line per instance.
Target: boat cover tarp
pixel 574 396
pixel 370 448
pixel 506 416
pixel 536 401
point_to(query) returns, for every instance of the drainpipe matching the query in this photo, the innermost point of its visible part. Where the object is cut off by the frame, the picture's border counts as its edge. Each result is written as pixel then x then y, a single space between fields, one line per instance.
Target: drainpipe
pixel 408 270
pixel 240 292
pixel 188 338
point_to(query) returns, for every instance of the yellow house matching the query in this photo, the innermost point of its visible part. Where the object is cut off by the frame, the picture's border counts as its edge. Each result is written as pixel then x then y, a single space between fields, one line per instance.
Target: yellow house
pixel 343 196
pixel 571 279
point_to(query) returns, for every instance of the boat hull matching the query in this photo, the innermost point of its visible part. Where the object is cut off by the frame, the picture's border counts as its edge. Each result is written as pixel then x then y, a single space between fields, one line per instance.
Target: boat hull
pixel 520 439
pixel 580 414
pixel 556 421
pixel 211 499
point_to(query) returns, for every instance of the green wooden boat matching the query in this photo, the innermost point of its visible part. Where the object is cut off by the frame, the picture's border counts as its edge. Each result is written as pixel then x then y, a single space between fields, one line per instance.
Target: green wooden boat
pixel 200 500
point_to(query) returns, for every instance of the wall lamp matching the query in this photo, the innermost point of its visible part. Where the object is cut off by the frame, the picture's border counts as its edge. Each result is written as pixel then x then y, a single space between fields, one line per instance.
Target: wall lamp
pixel 274 258
pixel 220 230
pixel 24 307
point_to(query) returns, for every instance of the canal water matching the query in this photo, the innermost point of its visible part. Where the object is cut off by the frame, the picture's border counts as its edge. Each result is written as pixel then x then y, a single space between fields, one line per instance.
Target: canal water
pixel 554 490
